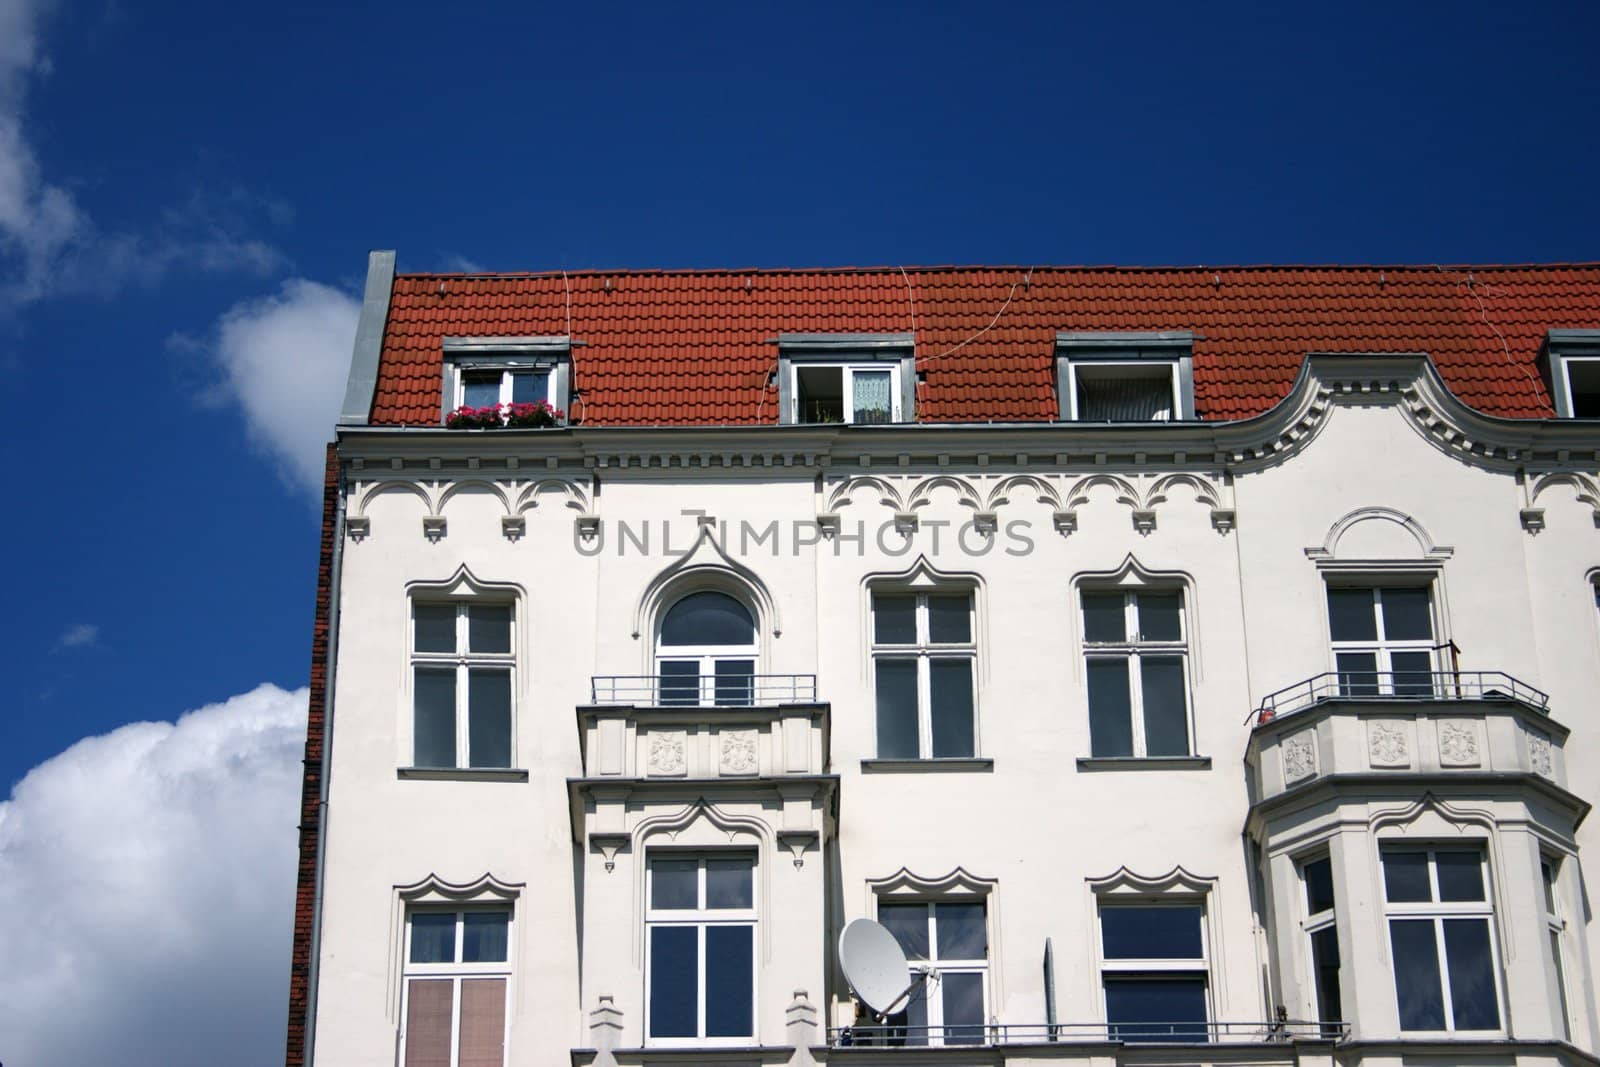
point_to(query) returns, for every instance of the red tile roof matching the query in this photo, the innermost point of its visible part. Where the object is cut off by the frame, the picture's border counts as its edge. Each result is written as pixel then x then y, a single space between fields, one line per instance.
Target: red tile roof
pixel 688 347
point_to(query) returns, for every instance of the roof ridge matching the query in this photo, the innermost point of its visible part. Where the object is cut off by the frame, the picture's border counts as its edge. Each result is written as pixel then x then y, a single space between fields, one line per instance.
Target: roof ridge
pixel 590 272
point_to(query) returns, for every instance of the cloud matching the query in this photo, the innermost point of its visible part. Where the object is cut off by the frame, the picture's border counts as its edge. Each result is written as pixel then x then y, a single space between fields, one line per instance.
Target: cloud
pixel 147 892
pixel 78 635
pixel 461 264
pixel 49 244
pixel 284 360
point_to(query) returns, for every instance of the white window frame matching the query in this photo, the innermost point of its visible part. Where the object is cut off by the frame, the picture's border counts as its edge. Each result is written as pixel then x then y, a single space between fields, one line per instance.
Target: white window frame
pixel 707 656
pixel 848 372
pixel 1132 351
pixel 1437 911
pixel 700 918
pixel 1132 649
pixel 930 988
pixel 1313 924
pixel 456 972
pixel 1176 965
pixel 1563 348
pixel 1556 970
pixel 463 660
pixel 507 355
pixel 924 651
pixel 1382 647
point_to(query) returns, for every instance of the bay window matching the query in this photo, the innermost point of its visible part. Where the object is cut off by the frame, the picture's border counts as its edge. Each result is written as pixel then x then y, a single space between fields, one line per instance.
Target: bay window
pixel 700 927
pixel 1441 938
pixel 1322 937
pixel 1383 640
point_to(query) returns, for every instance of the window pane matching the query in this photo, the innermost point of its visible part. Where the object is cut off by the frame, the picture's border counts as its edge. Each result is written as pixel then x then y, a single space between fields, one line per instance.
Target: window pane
pixel 430 1005
pixel 730 981
pixel 1460 875
pixel 483 1022
pixel 1325 967
pixel 436 627
pixel 1133 396
pixel 950 620
pixel 909 925
pixel 1104 618
pixel 433 937
pixel 1151 1008
pixel 1319 885
pixel 708 619
pixel 674 883
pixel 434 727
pixel 1413 675
pixel 960 932
pixel 894 619
pixel 1416 974
pixel 680 682
pixel 1405 615
pixel 1405 876
pixel 950 691
pixel 1350 615
pixel 674 981
pixel 1358 673
pixel 1561 985
pixel 480 389
pixel 489 628
pixel 483 936
pixel 897 708
pixel 1548 875
pixel 1110 712
pixel 729 883
pixel 821 394
pixel 1159 617
pixel 529 387
pixel 735 681
pixel 1471 966
pixel 1151 932
pixel 910 1025
pixel 489 718
pixel 1166 711
pixel 963 1008
pixel 873 400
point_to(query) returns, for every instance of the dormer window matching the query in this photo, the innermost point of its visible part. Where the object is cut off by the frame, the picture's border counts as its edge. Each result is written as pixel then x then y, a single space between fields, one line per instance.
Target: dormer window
pixel 863 379
pixel 482 371
pixel 1125 377
pixel 1571 362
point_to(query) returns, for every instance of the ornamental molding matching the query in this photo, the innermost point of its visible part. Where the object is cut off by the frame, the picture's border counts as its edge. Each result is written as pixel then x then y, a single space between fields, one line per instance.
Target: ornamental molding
pixel 434 888
pixel 666 754
pixel 956 882
pixel 1388 743
pixel 706 565
pixel 1300 757
pixel 737 754
pixel 1126 882
pixel 1540 757
pixel 515 496
pixel 1458 743
pixel 1427 549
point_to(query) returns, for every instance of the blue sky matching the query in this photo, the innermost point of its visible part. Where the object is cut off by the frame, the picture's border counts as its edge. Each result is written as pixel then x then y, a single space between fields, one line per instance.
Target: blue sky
pixel 188 193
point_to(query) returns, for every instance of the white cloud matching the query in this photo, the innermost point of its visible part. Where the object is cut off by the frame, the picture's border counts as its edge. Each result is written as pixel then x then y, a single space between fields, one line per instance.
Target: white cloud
pixel 147 892
pixel 462 265
pixel 284 360
pixel 78 635
pixel 49 245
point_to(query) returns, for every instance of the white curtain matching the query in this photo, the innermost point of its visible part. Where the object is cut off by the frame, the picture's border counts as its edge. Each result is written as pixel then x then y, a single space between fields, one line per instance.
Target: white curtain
pixel 872 400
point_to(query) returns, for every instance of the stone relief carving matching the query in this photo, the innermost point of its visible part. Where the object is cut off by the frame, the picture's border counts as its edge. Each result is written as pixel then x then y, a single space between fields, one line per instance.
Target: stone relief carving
pixel 738 752
pixel 1299 757
pixel 1458 744
pixel 666 753
pixel 1539 754
pixel 1387 745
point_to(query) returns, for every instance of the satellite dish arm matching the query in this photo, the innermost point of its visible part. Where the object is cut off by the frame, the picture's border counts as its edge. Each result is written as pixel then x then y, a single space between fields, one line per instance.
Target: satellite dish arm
pixel 922 976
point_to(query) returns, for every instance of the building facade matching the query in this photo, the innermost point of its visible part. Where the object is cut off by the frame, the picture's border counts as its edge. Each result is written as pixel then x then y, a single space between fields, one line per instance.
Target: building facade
pixel 1185 666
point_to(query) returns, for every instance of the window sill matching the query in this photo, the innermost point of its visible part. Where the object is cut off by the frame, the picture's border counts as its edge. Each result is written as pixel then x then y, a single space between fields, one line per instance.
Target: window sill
pixel 1144 763
pixel 462 774
pixel 918 766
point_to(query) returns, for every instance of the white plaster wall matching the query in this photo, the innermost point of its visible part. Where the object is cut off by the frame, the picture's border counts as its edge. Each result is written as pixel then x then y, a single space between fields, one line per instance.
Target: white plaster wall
pixel 1036 823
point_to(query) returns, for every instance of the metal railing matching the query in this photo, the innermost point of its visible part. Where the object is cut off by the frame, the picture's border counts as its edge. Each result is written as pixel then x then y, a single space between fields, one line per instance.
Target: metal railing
pixel 1176 1033
pixel 703 691
pixel 1398 685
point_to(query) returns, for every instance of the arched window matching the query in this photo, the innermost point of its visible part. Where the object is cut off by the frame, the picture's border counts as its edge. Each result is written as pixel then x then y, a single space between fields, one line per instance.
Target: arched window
pixel 706 652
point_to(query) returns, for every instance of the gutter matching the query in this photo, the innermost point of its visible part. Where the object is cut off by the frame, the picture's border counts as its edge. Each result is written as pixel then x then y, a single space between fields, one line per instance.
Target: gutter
pixel 328 704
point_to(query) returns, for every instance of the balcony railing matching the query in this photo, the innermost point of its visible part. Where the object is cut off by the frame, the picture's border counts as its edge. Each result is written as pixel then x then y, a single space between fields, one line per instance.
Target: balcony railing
pixel 703 691
pixel 1179 1033
pixel 1388 686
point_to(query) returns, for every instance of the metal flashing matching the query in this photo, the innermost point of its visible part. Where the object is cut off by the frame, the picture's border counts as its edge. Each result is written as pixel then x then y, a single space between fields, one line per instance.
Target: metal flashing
pixel 1125 338
pixel 454 345
pixel 363 381
pixel 852 341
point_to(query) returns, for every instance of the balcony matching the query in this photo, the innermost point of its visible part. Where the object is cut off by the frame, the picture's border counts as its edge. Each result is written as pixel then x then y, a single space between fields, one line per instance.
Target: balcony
pixel 702 691
pixel 844 1042
pixel 1394 724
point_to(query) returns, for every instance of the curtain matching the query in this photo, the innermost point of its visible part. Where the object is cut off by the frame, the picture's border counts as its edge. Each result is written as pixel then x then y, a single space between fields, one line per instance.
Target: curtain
pixel 872 400
pixel 1145 399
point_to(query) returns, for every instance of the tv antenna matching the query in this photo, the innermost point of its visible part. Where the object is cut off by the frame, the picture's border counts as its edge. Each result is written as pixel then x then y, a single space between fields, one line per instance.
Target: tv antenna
pixel 876 968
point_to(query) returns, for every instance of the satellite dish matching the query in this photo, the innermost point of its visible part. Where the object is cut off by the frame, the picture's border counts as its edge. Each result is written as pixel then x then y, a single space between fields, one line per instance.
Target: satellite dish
pixel 874 965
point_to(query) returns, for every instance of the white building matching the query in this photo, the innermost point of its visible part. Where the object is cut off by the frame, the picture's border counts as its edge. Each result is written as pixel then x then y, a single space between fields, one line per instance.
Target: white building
pixel 1176 691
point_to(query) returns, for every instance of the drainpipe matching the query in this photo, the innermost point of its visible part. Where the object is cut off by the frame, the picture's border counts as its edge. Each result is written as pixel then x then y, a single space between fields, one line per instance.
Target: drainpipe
pixel 336 569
